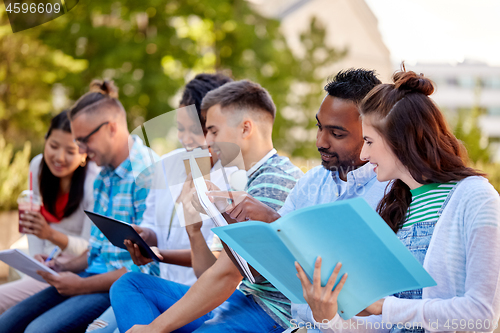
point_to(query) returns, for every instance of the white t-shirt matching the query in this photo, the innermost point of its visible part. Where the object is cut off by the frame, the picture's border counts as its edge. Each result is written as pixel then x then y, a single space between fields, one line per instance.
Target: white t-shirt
pixel 162 217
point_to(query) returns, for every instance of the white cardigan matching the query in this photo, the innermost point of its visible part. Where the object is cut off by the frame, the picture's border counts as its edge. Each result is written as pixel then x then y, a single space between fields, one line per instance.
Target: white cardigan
pixel 76 226
pixel 463 258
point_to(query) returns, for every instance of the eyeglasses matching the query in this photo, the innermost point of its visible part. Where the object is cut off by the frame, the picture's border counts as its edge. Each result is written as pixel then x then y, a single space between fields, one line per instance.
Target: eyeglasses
pixel 82 142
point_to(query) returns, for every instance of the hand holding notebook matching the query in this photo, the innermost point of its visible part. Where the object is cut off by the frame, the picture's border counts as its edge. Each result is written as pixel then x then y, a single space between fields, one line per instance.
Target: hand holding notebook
pixel 348 231
pixel 24 263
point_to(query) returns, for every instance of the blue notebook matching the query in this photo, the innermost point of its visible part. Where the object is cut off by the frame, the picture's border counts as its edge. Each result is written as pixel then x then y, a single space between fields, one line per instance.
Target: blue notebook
pixel 347 231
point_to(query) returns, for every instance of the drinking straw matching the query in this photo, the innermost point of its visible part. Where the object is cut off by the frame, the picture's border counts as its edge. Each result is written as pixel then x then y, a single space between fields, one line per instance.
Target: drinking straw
pixel 31 190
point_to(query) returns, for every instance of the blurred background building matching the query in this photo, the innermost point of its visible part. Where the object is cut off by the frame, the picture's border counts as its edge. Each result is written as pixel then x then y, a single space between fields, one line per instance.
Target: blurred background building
pixel 349 25
pixel 467 86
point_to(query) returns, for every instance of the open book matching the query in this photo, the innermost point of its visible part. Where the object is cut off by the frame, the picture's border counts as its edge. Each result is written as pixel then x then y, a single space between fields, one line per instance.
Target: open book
pixel 215 215
pixel 347 231
pixel 24 263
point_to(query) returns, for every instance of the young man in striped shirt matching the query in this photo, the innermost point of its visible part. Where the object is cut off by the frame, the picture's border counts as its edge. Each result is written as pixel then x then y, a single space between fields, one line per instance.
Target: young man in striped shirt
pixel 240 113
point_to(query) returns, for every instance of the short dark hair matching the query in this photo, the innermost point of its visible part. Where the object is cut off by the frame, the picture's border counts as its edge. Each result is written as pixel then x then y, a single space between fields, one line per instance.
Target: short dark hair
pixel 197 88
pixel 352 84
pixel 49 184
pixel 102 94
pixel 242 94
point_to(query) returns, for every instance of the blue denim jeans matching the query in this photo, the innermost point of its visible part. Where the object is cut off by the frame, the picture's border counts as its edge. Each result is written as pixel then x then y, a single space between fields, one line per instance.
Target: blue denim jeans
pixel 50 312
pixel 137 299
pixel 106 323
pixel 416 238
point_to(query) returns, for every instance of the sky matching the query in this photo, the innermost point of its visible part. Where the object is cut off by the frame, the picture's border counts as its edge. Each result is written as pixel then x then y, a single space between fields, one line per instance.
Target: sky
pixel 440 30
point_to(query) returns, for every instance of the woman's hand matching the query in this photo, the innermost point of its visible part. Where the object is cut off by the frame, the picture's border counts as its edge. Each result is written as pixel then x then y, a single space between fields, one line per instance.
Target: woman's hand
pixel 54 264
pixel 35 224
pixel 191 216
pixel 195 201
pixel 41 257
pixel 322 300
pixel 374 309
pixel 143 329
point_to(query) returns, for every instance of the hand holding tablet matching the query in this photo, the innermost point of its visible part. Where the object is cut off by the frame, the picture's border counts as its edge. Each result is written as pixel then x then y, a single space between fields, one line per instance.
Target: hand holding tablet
pixel 117 232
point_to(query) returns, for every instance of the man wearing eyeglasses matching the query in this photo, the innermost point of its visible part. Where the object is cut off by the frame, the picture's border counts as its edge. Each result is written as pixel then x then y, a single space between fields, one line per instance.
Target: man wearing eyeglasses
pixel 80 293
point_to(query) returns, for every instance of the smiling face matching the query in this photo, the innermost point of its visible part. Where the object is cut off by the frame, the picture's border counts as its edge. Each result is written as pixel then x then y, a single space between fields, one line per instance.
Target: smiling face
pixel 219 129
pixel 61 154
pixel 376 151
pixel 99 146
pixel 339 138
pixel 189 130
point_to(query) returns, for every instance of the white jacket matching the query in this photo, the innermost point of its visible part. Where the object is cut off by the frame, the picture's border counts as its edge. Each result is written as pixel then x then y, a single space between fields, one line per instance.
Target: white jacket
pixel 77 225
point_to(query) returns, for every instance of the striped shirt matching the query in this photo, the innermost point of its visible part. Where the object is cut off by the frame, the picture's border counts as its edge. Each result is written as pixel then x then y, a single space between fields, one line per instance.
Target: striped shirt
pixel 117 195
pixel 271 184
pixel 426 202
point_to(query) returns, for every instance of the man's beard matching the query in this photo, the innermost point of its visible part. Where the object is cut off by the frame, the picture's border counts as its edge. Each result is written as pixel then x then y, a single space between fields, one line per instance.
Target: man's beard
pixel 342 166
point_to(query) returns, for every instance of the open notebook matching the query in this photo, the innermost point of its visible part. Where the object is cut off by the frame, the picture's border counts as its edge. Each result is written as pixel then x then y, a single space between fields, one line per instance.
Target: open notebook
pixel 215 215
pixel 24 263
pixel 348 231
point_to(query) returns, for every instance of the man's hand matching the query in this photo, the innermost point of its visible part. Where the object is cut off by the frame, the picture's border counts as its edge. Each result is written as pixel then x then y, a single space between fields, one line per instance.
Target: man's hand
pixel 244 207
pixel 136 254
pixel 322 300
pixel 34 223
pixel 147 234
pixel 67 283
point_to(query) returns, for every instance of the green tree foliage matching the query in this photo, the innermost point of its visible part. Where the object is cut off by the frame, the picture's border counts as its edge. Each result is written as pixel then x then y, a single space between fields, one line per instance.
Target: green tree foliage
pixel 28 70
pixel 467 130
pixel 13 173
pixel 492 171
pixel 151 48
pixel 295 130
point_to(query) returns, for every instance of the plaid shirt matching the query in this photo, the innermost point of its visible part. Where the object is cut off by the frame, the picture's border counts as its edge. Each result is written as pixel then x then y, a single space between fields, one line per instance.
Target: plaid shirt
pixel 117 195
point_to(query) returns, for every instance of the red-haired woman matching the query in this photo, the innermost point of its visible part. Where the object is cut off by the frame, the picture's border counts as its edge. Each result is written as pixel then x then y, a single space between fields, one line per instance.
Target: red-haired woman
pixel 447 215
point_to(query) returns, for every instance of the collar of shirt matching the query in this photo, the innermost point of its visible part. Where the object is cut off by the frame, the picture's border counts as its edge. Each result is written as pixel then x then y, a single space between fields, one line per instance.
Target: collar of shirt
pixel 358 177
pixel 263 160
pixel 126 166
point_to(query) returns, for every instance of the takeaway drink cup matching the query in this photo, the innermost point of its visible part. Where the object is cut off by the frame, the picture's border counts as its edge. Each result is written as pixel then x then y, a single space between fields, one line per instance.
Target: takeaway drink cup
pixel 28 201
pixel 202 157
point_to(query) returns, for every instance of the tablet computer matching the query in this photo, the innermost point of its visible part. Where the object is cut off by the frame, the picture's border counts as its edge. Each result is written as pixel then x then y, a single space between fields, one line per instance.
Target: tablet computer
pixel 117 232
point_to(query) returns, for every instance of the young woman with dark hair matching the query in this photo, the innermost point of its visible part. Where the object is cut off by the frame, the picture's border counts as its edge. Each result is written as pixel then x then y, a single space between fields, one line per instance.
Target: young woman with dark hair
pixel 447 215
pixel 64 180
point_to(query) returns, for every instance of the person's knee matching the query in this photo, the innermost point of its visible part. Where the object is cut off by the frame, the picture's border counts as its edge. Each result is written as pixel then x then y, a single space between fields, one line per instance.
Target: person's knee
pixel 37 327
pixel 106 323
pixel 126 282
pixel 100 326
